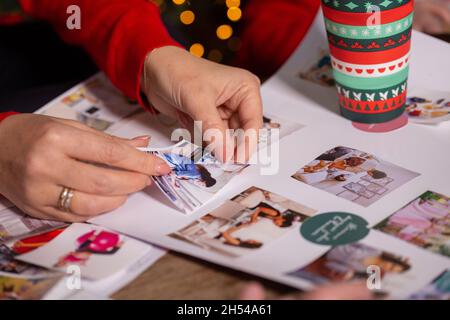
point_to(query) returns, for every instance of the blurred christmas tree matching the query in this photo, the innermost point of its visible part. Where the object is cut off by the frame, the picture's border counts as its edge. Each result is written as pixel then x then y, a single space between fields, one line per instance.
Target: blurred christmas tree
pixel 208 28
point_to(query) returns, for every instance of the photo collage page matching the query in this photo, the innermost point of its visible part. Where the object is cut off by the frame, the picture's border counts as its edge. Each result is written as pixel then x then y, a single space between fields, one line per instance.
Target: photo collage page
pixel 256 223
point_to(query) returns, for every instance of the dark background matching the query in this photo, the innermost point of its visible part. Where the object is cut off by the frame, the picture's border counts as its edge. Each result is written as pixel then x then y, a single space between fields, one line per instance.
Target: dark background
pixel 35 66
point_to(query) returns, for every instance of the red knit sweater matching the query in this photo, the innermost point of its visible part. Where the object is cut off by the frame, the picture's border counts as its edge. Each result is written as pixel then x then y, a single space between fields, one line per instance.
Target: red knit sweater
pixel 119 33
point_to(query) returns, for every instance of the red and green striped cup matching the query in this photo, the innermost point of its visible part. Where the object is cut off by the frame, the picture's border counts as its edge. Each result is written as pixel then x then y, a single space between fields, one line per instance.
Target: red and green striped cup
pixel 370 43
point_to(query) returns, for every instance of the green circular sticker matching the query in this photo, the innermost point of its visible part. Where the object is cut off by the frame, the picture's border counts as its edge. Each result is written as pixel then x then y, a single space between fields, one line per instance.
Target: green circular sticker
pixel 334 228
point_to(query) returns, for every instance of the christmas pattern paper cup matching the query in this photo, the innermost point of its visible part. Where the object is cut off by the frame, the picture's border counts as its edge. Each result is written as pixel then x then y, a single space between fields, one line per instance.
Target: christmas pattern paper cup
pixel 370 43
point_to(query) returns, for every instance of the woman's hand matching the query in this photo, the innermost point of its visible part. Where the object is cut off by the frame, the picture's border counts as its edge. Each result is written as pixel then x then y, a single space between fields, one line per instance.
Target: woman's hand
pixel 432 16
pixel 40 155
pixel 190 89
pixel 345 291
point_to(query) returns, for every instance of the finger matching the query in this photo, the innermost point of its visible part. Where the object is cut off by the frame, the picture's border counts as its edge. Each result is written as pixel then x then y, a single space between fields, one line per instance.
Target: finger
pixel 93 179
pixel 251 111
pixel 246 141
pixel 248 106
pixel 112 152
pixel 139 142
pixel 51 213
pixel 88 205
pixel 84 205
pixel 441 13
pixel 78 125
pixel 353 291
pixel 252 291
pixel 215 132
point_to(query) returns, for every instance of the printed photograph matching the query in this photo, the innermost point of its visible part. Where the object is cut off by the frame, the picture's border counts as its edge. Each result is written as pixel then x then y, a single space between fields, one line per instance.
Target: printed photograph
pixel 438 289
pixel 14 224
pixel 248 222
pixel 196 176
pixel 284 126
pixel 428 106
pixel 424 222
pixel 321 71
pixel 98 252
pixel 14 288
pixel 29 242
pixel 354 175
pixel 349 263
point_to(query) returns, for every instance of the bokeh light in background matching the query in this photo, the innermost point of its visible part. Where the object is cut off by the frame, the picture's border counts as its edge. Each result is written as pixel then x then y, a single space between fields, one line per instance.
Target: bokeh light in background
pixel 224 32
pixel 187 17
pixel 233 3
pixel 208 28
pixel 197 50
pixel 234 13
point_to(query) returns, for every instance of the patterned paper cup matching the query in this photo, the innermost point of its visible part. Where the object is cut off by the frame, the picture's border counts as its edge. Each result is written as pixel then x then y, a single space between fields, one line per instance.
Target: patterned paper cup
pixel 370 44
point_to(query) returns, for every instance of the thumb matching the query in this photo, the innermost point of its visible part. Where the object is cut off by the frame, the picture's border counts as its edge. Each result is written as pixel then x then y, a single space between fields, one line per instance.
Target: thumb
pixel 216 134
pixel 139 142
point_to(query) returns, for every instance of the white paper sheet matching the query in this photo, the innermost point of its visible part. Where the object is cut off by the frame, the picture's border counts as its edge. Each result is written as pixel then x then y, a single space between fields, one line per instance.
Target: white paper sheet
pixel 425 150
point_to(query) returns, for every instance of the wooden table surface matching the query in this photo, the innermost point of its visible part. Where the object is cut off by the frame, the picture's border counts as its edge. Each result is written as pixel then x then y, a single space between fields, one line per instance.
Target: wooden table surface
pixel 177 276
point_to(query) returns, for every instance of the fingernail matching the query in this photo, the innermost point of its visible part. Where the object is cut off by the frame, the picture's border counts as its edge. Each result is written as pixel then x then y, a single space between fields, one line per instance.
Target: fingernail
pixel 142 138
pixel 162 167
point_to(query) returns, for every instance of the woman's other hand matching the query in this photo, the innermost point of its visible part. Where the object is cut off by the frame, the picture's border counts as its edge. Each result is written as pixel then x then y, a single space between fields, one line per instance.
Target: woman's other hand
pixel 41 155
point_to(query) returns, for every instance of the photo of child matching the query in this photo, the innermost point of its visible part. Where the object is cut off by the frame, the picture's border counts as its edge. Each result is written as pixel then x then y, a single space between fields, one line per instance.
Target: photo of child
pixel 249 221
pixel 424 222
pixel 349 263
pixel 353 175
pixel 438 289
pixel 321 71
pixel 92 242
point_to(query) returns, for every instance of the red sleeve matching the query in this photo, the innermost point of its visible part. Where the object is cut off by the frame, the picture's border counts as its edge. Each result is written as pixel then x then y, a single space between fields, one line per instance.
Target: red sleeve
pixel 117 34
pixel 4 115
pixel 272 30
